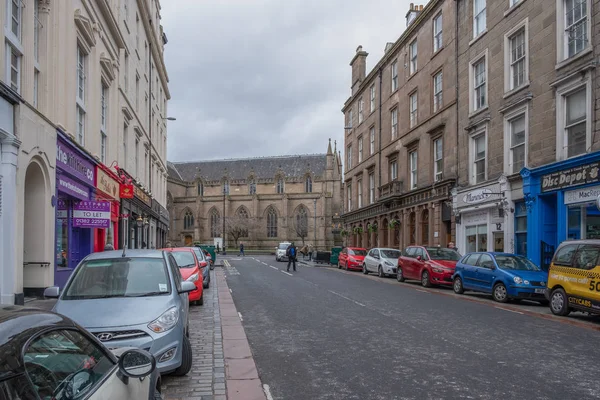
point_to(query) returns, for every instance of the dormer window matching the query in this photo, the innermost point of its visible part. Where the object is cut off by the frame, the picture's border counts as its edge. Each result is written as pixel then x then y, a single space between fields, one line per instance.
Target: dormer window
pixel 280 185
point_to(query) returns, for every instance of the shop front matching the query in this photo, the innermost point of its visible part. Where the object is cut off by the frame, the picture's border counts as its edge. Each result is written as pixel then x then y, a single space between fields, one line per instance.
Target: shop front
pixel 162 223
pixel 561 202
pixel 480 218
pixel 135 229
pixel 108 189
pixel 75 188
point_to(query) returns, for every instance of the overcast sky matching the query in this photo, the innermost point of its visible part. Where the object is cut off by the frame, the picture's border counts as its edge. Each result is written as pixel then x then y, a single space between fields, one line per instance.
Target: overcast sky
pixel 266 77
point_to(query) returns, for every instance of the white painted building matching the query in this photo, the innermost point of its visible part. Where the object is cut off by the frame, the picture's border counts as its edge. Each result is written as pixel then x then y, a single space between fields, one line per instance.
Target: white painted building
pixel 63 68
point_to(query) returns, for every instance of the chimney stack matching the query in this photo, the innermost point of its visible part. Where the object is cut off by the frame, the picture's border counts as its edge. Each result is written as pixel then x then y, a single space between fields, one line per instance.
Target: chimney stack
pixel 359 68
pixel 413 13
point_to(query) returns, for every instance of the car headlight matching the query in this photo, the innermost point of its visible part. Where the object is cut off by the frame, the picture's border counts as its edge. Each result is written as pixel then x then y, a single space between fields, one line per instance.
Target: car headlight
pixel 193 278
pixel 166 321
pixel 388 263
pixel 518 280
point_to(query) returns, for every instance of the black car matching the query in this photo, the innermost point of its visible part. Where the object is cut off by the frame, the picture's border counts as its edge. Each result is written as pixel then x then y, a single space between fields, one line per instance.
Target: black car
pixel 47 356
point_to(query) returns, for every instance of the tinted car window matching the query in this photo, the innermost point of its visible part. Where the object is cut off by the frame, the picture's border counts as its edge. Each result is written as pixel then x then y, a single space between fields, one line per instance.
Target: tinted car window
pixel 199 255
pixel 283 246
pixel 119 277
pixel 390 253
pixel 564 255
pixel 355 252
pixel 471 259
pixel 175 272
pixel 586 257
pixel 65 365
pixel 410 252
pixel 485 261
pixel 519 263
pixel 184 259
pixel 17 387
pixel 441 253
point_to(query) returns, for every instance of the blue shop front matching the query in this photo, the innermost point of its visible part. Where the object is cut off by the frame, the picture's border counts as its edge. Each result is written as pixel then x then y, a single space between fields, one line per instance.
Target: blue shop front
pixel 560 199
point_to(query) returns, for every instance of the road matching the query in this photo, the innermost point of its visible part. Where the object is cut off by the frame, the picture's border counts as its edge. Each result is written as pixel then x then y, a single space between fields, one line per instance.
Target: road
pixel 321 333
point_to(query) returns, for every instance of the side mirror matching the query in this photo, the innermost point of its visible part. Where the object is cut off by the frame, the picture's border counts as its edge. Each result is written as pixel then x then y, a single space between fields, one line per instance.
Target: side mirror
pixel 187 287
pixel 52 292
pixel 136 363
pixel 419 258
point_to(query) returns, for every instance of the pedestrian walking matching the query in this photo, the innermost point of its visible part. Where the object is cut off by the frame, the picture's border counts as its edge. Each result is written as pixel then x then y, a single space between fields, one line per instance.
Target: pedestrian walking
pixel 310 252
pixel 218 250
pixel 452 246
pixel 291 255
pixel 242 250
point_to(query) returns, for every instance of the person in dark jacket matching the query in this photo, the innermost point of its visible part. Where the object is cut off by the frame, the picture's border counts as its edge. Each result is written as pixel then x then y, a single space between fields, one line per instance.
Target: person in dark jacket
pixel 291 254
pixel 242 250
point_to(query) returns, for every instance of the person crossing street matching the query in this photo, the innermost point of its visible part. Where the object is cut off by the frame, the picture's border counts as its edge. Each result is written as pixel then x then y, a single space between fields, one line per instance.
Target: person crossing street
pixel 291 255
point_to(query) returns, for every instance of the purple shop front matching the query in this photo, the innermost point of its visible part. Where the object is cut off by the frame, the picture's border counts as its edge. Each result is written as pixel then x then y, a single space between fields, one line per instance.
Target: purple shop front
pixel 77 215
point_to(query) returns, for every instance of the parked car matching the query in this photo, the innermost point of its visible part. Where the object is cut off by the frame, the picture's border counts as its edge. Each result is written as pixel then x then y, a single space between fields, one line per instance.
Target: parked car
pixel 132 298
pixel 191 271
pixel 44 355
pixel 352 258
pixel 505 276
pixel 204 264
pixel 280 251
pixel 429 265
pixel 211 262
pixel 381 260
pixel 574 278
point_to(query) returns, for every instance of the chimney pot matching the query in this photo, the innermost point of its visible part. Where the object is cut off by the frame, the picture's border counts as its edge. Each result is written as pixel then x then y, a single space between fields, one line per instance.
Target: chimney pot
pixel 421 7
pixel 412 6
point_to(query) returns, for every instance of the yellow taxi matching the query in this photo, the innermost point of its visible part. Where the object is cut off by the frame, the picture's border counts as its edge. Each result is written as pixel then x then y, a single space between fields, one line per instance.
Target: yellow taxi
pixel 574 278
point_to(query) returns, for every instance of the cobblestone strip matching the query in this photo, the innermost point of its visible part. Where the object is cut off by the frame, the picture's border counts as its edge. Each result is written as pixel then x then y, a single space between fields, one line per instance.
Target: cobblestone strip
pixel 241 374
pixel 206 380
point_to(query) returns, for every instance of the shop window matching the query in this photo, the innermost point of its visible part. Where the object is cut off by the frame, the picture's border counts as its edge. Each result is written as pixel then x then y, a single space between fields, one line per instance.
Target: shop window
pixel 583 222
pixel 476 238
pixel 521 229
pixel 62 234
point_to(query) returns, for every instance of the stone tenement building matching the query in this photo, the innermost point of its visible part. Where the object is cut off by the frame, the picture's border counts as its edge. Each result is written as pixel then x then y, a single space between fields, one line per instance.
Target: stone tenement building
pixel 259 201
pixel 400 138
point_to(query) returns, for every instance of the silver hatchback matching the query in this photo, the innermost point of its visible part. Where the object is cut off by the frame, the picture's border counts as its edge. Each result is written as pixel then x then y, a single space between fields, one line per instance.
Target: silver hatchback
pixel 132 298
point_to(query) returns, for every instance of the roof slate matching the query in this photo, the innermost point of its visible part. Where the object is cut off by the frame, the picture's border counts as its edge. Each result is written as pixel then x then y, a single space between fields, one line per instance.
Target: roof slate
pixel 262 167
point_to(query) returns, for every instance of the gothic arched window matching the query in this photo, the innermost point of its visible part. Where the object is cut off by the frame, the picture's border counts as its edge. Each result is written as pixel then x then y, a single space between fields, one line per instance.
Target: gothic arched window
pixel 200 189
pixel 280 186
pixel 308 185
pixel 252 186
pixel 188 220
pixel 301 222
pixel 242 215
pixel 272 223
pixel 215 224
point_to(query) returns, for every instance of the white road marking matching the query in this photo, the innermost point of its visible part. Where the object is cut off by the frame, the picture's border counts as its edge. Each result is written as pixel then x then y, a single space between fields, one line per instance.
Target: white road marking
pixel 267 391
pixel 240 315
pixel 287 273
pixel 264 263
pixel 272 267
pixel 421 290
pixel 230 291
pixel 506 309
pixel 347 298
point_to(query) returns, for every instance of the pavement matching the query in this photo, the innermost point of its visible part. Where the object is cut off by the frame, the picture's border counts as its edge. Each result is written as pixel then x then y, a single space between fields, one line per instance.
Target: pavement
pixel 324 333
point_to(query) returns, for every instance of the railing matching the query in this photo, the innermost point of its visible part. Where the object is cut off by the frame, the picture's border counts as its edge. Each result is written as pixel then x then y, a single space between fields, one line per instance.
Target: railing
pixel 394 188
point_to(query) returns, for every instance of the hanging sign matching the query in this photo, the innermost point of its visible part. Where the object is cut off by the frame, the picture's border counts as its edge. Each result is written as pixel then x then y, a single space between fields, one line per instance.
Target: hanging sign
pixel 91 214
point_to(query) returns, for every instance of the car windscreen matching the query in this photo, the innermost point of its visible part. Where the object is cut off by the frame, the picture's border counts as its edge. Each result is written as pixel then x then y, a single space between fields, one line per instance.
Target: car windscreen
pixel 357 252
pixel 199 254
pixel 518 263
pixel 390 253
pixel 441 253
pixel 283 246
pixel 185 259
pixel 119 277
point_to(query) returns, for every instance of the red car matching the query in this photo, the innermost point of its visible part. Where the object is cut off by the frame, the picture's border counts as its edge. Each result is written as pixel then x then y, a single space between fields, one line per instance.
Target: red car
pixel 352 258
pixel 191 270
pixel 430 265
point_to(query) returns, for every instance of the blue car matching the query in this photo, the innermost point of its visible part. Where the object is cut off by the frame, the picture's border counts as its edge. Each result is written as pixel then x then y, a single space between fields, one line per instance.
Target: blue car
pixel 506 276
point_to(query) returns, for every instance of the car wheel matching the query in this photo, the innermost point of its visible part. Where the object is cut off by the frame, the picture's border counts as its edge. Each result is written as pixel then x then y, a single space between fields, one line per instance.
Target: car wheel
pixel 186 358
pixel 346 266
pixel 458 286
pixel 339 265
pixel 559 305
pixel 425 279
pixel 499 293
pixel 380 272
pixel 365 271
pixel 399 275
pixel 157 395
pixel 201 301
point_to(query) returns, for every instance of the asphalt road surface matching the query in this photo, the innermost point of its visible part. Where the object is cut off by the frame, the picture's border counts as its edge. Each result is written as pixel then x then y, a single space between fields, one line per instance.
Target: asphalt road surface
pixel 321 333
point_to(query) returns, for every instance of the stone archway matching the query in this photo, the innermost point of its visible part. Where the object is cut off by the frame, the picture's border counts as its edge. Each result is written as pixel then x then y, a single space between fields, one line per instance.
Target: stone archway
pixel 34 227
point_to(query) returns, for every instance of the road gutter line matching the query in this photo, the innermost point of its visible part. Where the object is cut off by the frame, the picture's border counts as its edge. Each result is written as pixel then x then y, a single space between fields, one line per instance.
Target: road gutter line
pixel 230 291
pixel 240 315
pixel 506 309
pixel 347 298
pixel 267 391
pixel 287 273
pixel 422 291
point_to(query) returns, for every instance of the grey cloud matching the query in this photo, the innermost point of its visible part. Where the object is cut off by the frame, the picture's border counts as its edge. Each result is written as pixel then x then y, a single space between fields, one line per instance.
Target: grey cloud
pixel 266 77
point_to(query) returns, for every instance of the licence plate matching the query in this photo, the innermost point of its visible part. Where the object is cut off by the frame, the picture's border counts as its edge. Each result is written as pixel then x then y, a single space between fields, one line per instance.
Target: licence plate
pixel 539 291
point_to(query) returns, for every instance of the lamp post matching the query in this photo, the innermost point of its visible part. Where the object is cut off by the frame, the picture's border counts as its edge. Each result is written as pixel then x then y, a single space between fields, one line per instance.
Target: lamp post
pixel 147 229
pixel 225 185
pixel 139 223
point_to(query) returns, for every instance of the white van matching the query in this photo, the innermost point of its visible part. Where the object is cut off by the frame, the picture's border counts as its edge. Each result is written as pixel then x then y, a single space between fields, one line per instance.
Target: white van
pixel 280 251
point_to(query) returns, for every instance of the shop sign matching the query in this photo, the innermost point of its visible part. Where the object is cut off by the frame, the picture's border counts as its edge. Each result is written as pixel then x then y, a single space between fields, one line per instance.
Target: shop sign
pixel 107 184
pixel 589 194
pixel 68 159
pixel 91 214
pixel 139 193
pixel 580 175
pixel 477 196
pixel 72 188
pixel 126 191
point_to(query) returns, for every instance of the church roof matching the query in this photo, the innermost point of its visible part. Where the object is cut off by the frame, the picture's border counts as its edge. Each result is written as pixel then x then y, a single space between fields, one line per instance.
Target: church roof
pixel 242 168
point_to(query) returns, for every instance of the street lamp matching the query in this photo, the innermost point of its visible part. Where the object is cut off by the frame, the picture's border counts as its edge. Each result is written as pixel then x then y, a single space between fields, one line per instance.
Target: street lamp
pixel 315 215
